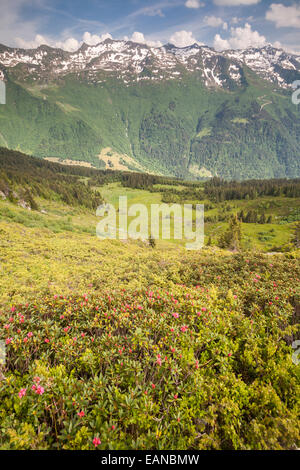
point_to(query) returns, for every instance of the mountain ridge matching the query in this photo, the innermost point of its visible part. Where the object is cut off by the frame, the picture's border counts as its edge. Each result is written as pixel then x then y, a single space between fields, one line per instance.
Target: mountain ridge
pixel 187 112
pixel 113 52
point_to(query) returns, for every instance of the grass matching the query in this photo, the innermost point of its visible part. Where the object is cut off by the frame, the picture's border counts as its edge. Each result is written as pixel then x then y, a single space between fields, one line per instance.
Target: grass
pixel 278 207
pixel 58 217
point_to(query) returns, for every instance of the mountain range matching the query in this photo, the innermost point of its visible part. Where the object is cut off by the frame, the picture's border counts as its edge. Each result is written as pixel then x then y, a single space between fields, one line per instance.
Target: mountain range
pixel 187 112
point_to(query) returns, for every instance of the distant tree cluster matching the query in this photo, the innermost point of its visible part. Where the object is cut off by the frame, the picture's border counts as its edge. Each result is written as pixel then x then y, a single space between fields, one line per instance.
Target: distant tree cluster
pixel 231 238
pixel 219 190
pixel 31 177
pixel 252 217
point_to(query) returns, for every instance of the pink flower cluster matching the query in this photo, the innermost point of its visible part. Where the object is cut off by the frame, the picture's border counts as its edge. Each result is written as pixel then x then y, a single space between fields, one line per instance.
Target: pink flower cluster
pixel 96 441
pixel 36 387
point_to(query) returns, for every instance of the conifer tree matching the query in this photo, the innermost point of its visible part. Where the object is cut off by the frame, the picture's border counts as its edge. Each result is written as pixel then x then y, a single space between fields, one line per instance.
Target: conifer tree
pixel 231 239
pixel 152 241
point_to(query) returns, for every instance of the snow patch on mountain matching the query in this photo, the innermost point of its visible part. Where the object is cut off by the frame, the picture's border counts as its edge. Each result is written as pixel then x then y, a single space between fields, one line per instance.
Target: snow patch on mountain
pixel 130 62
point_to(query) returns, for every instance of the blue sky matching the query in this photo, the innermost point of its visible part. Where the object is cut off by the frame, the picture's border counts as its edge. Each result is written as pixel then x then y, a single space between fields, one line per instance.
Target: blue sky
pixel 219 23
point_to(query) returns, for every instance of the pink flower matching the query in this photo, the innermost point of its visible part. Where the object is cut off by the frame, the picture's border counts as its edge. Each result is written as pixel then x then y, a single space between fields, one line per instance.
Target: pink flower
pixel 96 441
pixel 8 340
pixel 47 340
pixel 81 414
pixel 22 392
pixel 175 315
pixel 153 386
pixel 30 334
pixel 40 390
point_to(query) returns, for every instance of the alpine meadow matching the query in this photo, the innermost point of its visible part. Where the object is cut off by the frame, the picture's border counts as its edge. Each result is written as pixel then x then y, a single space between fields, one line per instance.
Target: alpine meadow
pixel 149 227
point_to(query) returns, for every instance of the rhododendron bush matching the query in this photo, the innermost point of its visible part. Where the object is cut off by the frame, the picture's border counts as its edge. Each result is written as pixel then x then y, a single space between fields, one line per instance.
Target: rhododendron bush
pixel 202 365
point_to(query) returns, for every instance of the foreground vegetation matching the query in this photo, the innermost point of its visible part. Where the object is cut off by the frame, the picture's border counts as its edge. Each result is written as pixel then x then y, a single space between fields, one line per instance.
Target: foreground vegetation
pixel 124 345
pixel 198 359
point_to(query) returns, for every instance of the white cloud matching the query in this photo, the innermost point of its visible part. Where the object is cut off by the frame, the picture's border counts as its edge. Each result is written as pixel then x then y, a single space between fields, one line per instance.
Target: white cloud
pixel 72 44
pixel 183 39
pixel 215 22
pixel 221 44
pixel 283 16
pixel 140 38
pixel 36 42
pixel 229 3
pixel 289 49
pixel 94 39
pixel 69 44
pixel 154 10
pixel 240 38
pixel 194 4
pixel 11 21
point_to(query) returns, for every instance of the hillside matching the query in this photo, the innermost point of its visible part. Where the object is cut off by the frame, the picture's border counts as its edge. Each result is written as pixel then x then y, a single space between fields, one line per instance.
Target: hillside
pixel 190 112
pixel 115 345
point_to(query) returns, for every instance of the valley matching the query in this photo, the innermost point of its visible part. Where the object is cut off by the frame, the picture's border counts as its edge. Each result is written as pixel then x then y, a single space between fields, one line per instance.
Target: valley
pixel 143 344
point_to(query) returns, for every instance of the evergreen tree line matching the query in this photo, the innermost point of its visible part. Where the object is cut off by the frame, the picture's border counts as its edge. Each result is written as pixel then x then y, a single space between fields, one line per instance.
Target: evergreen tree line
pixel 74 184
pixel 23 177
pixel 252 217
pixel 219 190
